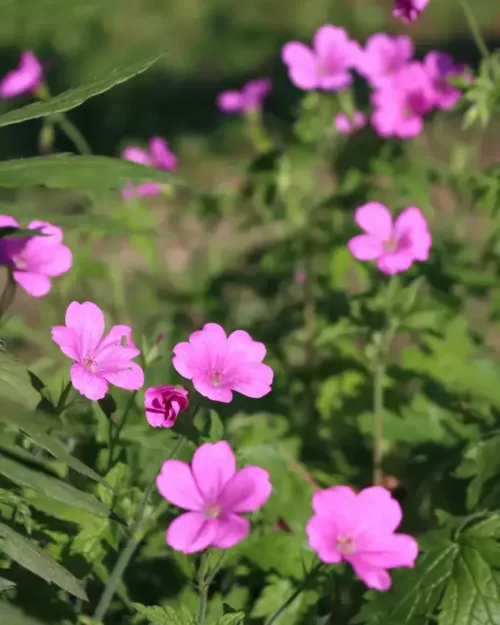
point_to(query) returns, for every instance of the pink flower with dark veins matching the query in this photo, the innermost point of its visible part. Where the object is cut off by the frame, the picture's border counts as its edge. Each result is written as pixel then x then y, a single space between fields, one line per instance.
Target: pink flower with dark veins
pixel 215 495
pixel 99 359
pixel 163 404
pixel 326 65
pixel 26 78
pixel 35 260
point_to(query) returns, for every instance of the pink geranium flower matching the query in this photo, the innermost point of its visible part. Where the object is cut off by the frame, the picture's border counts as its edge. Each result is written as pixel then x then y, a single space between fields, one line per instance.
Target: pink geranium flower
pixel 248 99
pixel 401 102
pixel 326 66
pixel 163 404
pixel 383 56
pixel 34 260
pixel 158 156
pixel 349 125
pixel 396 246
pixel 215 495
pixel 440 67
pixel 360 529
pixel 218 364
pixel 409 10
pixel 24 79
pixel 99 360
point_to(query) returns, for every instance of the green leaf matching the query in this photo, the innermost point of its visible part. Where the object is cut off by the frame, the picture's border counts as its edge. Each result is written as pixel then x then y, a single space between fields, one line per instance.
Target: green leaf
pixel 98 173
pixel 29 555
pixel 481 461
pixel 116 479
pixel 5 584
pixel 50 486
pixel 74 97
pixel 216 432
pixel 35 429
pixel 231 619
pixel 15 382
pixel 164 615
pixel 10 615
pixel 13 233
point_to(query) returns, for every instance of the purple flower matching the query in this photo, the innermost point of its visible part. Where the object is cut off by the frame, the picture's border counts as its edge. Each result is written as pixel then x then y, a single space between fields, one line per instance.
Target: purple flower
pixel 401 102
pixel 163 404
pixel 324 66
pixel 409 10
pixel 349 125
pixel 383 56
pixel 441 66
pixel 158 156
pixel 248 99
pixel 24 79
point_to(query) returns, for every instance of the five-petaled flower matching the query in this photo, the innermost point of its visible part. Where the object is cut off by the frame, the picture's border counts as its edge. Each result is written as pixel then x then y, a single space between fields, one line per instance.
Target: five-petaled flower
pixel 158 156
pixel 26 78
pixel 382 56
pixel 246 100
pixel 409 10
pixel 395 246
pixel 219 364
pixel 215 495
pixel 35 260
pixel 360 529
pixel 99 360
pixel 163 404
pixel 327 65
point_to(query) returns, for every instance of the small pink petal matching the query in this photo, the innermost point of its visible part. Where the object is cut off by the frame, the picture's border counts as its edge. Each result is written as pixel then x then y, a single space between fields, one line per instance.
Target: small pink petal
pixel 246 491
pixel 375 219
pixel 136 155
pixel 87 320
pixel 365 247
pixel 230 101
pixel 6 222
pixel 213 465
pixel 34 284
pixel 253 379
pixel 67 340
pixel 90 386
pixel 178 486
pixel 191 532
pixel 130 378
pixel 231 529
pixel 395 262
pixel 241 341
pixel 322 539
pixel 215 393
pixel 302 65
pixel 378 579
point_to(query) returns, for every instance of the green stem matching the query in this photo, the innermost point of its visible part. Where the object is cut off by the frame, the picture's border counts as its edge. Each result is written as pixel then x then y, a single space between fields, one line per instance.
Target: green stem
pixel 113 439
pixel 73 134
pixel 474 28
pixel 378 422
pixel 303 584
pixel 202 601
pixel 8 294
pixel 130 548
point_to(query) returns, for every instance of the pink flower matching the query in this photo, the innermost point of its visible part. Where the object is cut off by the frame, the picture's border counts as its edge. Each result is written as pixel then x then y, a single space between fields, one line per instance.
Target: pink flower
pixel 158 156
pixel 99 359
pixel 34 260
pixel 218 365
pixel 360 529
pixel 326 66
pixel 441 66
pixel 401 103
pixel 348 126
pixel 24 79
pixel 383 56
pixel 249 99
pixel 215 494
pixel 395 247
pixel 409 10
pixel 163 405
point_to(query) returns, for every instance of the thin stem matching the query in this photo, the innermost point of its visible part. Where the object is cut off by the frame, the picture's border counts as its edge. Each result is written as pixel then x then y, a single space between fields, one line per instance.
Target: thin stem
pixel 8 294
pixel 303 584
pixel 474 28
pixel 113 440
pixel 130 548
pixel 73 134
pixel 378 423
pixel 203 587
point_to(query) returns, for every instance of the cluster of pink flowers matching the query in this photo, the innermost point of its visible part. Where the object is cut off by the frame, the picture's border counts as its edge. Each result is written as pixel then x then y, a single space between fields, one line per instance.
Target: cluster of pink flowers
pixel 158 156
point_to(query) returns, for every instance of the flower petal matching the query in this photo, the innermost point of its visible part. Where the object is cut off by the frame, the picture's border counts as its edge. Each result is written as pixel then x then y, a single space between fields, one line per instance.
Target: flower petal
pixel 215 393
pixel 412 223
pixel 396 262
pixel 365 247
pixel 67 340
pixel 393 550
pixel 191 532
pixel 241 341
pixel 177 485
pixel 213 465
pixel 87 320
pixel 322 537
pixel 246 491
pixel 378 510
pixel 252 379
pixel 7 221
pixel 378 579
pixel 136 155
pixel 231 529
pixel 302 65
pixel 130 378
pixel 33 283
pixel 230 101
pixel 374 219
pixel 90 386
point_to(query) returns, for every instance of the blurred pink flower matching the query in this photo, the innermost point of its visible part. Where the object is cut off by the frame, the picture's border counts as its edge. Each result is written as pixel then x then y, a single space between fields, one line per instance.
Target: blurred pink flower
pixel 360 529
pixel 441 66
pixel 34 260
pixel 395 247
pixel 401 102
pixel 215 494
pixel 326 66
pixel 409 10
pixel 99 359
pixel 158 156
pixel 218 365
pixel 301 277
pixel 382 56
pixel 26 78
pixel 348 126
pixel 248 99
pixel 163 404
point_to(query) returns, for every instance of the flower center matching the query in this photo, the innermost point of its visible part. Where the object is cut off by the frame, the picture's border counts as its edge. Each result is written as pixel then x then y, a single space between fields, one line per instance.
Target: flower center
pixel 212 511
pixel 89 362
pixel 215 378
pixel 391 245
pixel 346 545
